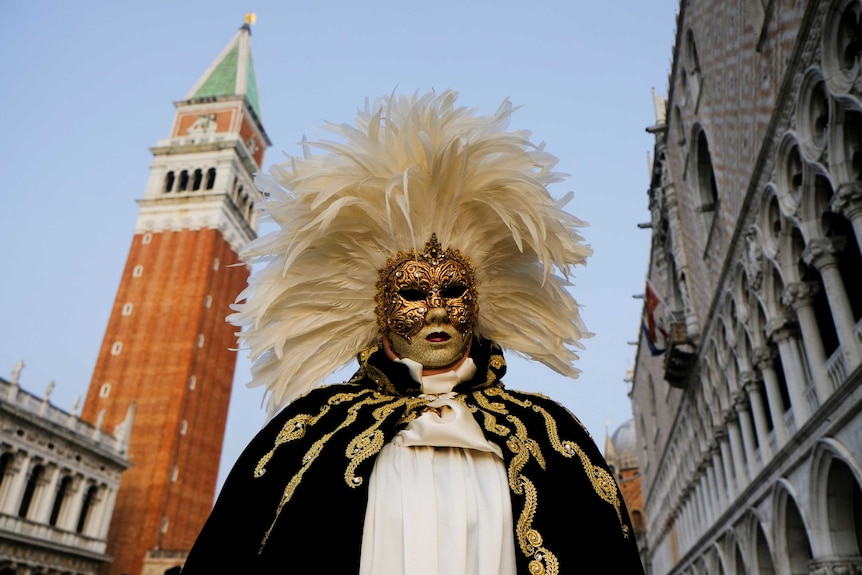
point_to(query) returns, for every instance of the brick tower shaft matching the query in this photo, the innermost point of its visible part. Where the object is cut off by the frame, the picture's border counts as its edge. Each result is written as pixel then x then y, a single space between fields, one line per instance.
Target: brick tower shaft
pixel 167 347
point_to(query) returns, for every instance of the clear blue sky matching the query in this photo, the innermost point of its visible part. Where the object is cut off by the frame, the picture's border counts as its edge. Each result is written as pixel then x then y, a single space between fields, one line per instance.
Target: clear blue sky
pixel 87 88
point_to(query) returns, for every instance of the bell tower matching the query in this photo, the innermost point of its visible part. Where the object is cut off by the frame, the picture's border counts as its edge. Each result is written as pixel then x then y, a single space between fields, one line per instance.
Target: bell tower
pixel 167 346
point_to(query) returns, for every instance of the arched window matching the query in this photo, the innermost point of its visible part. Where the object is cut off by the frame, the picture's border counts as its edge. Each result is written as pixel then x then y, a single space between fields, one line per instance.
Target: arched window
pixel 63 491
pixel 782 378
pixel 198 179
pixel 849 261
pixel 796 538
pixel 169 182
pixel 705 181
pixel 5 459
pixel 87 508
pixel 211 173
pixel 32 483
pixel 844 507
pixel 184 181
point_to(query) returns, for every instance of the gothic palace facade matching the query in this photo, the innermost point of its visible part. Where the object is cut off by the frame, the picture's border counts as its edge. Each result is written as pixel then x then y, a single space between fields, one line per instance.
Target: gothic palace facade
pixel 749 423
pixel 58 482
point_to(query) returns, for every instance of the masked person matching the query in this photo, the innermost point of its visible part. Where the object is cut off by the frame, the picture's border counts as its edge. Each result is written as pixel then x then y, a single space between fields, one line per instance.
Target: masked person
pixel 422 240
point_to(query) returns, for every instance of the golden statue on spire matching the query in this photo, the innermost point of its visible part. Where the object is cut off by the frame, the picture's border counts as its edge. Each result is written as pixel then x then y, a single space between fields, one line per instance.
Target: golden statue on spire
pixel 250 18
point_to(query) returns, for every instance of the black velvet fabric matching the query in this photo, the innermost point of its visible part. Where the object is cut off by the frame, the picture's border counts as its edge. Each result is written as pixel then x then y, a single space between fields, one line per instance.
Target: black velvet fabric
pixel 564 521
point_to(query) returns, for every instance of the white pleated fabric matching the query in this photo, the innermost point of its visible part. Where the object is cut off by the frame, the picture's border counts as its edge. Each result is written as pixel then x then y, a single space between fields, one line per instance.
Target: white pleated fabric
pixel 438 496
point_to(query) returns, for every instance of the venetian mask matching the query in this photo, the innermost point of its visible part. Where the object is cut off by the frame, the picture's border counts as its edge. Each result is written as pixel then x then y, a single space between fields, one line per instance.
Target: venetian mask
pixel 426 304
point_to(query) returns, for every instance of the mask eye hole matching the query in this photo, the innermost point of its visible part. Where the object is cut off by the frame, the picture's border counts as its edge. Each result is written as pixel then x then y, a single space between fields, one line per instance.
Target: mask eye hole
pixel 412 294
pixel 453 291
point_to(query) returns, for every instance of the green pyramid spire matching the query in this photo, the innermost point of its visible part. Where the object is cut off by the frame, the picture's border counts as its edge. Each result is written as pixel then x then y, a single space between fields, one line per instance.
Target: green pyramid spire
pixel 231 73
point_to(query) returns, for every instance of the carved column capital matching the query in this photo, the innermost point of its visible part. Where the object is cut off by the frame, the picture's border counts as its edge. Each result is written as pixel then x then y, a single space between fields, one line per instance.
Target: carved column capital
pixel 730 416
pixel 781 327
pixel 823 252
pixel 799 294
pixel 740 400
pixel 764 358
pixel 750 380
pixel 847 200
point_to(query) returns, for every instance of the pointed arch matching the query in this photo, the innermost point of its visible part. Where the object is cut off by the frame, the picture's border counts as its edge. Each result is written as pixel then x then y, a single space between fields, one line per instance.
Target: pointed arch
pixel 836 499
pixel 790 526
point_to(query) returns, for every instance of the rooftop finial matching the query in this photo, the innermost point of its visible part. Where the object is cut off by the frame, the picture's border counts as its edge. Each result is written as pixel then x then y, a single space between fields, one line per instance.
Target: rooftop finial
pixel 250 18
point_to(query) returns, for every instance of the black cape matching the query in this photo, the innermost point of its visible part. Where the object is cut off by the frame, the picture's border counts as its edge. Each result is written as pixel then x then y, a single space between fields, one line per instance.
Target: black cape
pixel 295 500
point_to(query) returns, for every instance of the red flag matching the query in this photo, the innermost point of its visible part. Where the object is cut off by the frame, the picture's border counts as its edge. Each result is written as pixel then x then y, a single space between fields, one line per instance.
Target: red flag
pixel 653 322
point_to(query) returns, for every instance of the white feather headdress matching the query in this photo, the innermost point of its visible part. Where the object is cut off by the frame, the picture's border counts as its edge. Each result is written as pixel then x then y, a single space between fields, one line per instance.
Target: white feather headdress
pixel 409 167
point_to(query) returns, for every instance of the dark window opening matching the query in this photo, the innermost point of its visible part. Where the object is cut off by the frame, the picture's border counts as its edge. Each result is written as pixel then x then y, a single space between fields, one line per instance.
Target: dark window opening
pixel 782 380
pixel 706 180
pixel 184 181
pixel 849 260
pixel 211 173
pixel 86 508
pixel 62 492
pixel 169 182
pixel 30 490
pixel 198 180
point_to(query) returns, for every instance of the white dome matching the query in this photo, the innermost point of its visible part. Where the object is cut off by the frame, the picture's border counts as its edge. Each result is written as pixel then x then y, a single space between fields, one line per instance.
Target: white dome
pixel 625 445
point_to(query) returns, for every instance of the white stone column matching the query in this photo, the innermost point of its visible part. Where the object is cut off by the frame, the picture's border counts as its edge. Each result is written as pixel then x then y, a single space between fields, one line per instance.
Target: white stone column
pixel 740 474
pixel 847 201
pixel 727 466
pixel 110 501
pixel 68 520
pixel 713 501
pixel 751 385
pixel 823 253
pixel 698 504
pixel 741 404
pixel 765 362
pixel 706 501
pixel 93 524
pixel 783 331
pixel 43 498
pixel 684 530
pixel 20 466
pixel 799 297
pixel 8 478
pixel 718 478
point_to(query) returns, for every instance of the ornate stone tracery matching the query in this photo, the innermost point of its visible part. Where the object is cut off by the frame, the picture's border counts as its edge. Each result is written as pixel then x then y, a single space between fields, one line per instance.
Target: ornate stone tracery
pixel 763 383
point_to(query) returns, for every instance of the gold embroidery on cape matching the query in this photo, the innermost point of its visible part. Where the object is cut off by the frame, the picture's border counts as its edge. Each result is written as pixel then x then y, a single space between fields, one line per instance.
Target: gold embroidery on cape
pixel 315 449
pixel 522 447
pixel 483 401
pixel 544 562
pixel 370 441
pixel 603 483
pixel 530 444
pixel 296 427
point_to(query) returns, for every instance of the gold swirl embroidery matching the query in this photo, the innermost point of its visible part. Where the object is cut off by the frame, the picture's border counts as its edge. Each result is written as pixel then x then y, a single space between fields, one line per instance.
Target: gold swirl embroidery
pixel 315 449
pixel 494 427
pixel 295 427
pixel 519 460
pixel 544 562
pixel 603 483
pixel 483 401
pixel 530 444
pixel 370 441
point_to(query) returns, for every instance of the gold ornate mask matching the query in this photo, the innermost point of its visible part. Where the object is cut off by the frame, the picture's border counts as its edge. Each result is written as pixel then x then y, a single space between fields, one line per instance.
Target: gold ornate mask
pixel 411 285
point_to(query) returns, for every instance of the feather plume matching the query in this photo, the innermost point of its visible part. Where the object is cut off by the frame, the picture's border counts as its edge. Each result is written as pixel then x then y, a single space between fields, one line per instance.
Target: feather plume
pixel 408 167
